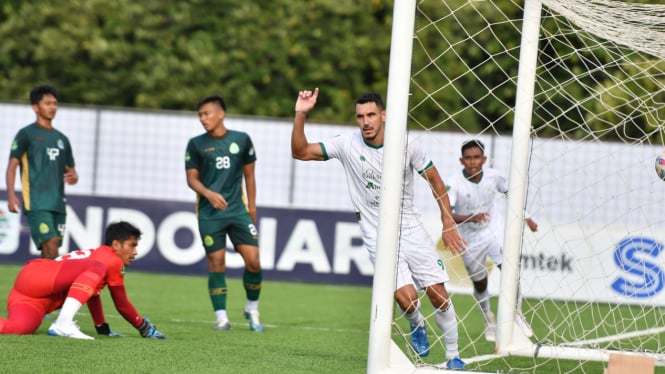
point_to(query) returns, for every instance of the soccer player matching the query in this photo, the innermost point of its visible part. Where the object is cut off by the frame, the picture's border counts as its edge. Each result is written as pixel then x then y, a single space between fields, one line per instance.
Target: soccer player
pixel 47 163
pixel 216 163
pixel 419 265
pixel 71 280
pixel 472 193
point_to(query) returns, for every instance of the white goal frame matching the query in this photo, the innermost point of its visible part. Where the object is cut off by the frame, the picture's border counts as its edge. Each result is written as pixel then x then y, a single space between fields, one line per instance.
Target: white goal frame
pixel 384 356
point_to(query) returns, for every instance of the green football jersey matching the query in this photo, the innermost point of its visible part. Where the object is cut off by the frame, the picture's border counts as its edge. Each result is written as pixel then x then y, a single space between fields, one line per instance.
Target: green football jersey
pixel 44 155
pixel 220 162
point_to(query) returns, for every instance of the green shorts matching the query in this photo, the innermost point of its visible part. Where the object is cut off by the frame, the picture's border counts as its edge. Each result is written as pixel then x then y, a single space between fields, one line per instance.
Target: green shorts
pixel 45 225
pixel 240 229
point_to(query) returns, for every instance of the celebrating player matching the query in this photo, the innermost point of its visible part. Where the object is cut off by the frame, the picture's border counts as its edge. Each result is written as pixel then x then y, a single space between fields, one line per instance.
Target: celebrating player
pixel 47 163
pixel 472 195
pixel 70 281
pixel 419 265
pixel 216 163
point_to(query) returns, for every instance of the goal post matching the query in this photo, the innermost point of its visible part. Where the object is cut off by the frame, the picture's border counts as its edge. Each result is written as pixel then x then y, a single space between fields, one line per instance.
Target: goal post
pixel 518 178
pixel 397 99
pixel 569 99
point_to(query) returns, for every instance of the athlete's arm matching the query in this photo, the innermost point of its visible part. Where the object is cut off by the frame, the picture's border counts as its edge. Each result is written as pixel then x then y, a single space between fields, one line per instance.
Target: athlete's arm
pixel 96 310
pixel 450 236
pixel 301 149
pixel 124 306
pixel 194 182
pixel 14 204
pixel 250 186
pixel 71 176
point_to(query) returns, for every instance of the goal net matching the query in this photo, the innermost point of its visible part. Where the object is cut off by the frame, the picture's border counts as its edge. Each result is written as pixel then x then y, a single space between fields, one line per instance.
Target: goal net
pixel 572 112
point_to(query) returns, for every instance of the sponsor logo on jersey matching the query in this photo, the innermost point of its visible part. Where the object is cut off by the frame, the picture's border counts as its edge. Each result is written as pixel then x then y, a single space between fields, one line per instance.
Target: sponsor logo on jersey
pixel 52 153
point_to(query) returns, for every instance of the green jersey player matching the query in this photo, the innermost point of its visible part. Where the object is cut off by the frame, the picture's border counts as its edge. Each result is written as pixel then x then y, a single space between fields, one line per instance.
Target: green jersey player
pixel 47 163
pixel 216 163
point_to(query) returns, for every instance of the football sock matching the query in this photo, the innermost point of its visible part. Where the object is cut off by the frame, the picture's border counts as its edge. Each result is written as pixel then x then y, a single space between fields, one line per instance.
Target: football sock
pixel 483 299
pixel 217 288
pixel 416 318
pixel 447 322
pixel 252 305
pixel 221 315
pixel 69 309
pixel 252 283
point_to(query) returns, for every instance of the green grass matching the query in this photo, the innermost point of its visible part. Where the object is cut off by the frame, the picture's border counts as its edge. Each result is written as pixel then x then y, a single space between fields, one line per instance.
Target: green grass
pixel 310 328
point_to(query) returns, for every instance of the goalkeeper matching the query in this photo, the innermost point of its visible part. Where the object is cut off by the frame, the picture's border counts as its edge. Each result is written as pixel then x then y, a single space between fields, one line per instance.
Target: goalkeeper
pixel 72 280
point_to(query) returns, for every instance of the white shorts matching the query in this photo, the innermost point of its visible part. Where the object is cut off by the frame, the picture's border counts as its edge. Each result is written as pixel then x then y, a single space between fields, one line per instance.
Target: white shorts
pixel 475 259
pixel 418 262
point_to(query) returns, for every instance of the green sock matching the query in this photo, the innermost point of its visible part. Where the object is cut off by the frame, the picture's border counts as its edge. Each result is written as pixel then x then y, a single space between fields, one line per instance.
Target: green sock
pixel 252 282
pixel 217 288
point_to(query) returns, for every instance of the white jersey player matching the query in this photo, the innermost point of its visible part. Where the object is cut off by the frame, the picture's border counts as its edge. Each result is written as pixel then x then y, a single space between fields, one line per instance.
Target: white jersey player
pixel 419 265
pixel 472 193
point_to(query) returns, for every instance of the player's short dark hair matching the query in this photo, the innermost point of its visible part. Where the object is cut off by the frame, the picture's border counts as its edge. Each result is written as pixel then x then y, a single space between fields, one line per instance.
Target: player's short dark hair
pixel 120 231
pixel 371 97
pixel 212 99
pixel 471 144
pixel 37 93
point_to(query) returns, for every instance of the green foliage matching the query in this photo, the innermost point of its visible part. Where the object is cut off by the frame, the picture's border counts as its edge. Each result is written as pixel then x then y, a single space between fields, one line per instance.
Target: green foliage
pixel 258 54
pixel 168 54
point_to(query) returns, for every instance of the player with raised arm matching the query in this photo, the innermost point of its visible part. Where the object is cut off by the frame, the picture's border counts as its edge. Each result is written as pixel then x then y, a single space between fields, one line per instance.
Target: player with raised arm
pixel 419 265
pixel 72 280
pixel 47 163
pixel 217 162
pixel 472 193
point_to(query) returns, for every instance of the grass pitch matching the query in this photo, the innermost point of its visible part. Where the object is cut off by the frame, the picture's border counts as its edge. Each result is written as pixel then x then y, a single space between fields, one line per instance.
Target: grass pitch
pixel 309 328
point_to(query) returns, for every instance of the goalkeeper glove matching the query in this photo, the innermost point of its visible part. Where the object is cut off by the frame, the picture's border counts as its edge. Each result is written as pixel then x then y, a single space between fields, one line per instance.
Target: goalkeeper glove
pixel 105 329
pixel 149 330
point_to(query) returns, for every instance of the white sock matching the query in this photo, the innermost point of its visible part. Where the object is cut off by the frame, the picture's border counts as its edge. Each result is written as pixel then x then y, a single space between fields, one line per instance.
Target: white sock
pixel 68 311
pixel 221 315
pixel 252 305
pixel 416 318
pixel 447 322
pixel 483 299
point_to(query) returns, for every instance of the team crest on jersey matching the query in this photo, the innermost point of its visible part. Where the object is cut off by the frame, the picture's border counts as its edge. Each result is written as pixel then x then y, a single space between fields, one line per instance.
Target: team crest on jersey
pixel 362 158
pixel 43 228
pixel 234 148
pixel 61 145
pixel 208 241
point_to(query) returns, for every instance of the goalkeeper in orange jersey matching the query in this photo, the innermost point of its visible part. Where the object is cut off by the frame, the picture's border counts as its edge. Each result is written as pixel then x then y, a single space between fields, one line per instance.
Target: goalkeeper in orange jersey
pixel 74 279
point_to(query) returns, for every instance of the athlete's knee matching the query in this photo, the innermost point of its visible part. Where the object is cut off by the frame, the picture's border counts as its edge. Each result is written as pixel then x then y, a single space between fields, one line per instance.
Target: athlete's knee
pixel 50 248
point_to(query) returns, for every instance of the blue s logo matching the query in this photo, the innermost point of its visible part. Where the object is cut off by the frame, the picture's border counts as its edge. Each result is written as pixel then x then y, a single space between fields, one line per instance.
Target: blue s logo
pixel 637 256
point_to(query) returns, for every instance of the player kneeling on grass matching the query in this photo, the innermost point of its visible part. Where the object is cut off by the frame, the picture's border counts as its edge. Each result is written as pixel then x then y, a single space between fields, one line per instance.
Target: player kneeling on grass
pixel 72 280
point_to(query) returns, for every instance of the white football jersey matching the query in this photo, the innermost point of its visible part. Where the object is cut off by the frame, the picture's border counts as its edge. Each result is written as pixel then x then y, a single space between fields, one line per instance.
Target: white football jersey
pixel 363 168
pixel 467 197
